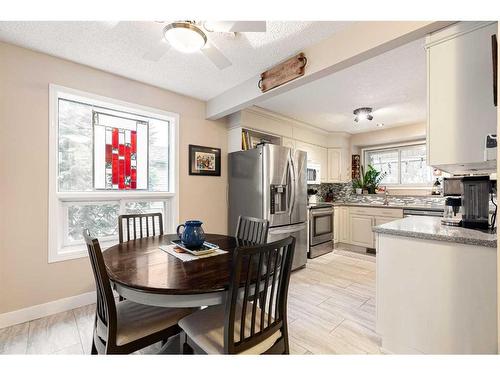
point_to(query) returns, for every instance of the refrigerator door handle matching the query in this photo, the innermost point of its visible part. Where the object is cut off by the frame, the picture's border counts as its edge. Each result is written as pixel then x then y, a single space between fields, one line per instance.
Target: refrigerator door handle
pixel 288 229
pixel 292 184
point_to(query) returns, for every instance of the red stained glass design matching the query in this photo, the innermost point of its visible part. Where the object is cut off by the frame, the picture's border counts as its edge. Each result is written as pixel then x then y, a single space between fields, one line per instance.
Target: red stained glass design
pixel 127 168
pixel 120 158
pixel 133 159
pixel 114 172
pixel 109 155
pixel 115 138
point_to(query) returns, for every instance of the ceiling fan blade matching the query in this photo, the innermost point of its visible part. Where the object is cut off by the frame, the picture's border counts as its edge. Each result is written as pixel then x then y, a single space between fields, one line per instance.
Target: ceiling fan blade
pixel 157 52
pixel 236 26
pixel 216 56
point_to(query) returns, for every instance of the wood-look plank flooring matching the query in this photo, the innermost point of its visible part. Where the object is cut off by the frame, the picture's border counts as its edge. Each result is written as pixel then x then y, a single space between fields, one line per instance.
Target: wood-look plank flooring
pixel 331 310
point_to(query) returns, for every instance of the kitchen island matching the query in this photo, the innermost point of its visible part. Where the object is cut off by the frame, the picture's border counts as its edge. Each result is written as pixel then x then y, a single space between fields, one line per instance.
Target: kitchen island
pixel 436 288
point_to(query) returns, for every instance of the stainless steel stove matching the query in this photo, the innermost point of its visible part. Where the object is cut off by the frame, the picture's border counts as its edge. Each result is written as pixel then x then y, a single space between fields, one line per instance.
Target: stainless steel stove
pixel 320 229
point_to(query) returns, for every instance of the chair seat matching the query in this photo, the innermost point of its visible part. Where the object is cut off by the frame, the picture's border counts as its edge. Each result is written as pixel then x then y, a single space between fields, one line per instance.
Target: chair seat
pixel 135 321
pixel 206 328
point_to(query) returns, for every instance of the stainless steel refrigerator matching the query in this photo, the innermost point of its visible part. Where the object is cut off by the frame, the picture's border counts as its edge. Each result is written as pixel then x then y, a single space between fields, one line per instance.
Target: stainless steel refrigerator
pixel 270 182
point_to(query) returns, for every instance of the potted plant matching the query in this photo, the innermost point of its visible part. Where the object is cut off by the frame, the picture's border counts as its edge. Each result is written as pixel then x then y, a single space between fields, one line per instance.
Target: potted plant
pixel 357 185
pixel 368 180
pixel 372 178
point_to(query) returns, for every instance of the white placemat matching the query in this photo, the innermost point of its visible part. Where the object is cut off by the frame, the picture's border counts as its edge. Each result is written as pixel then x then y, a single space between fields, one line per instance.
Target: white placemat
pixel 186 257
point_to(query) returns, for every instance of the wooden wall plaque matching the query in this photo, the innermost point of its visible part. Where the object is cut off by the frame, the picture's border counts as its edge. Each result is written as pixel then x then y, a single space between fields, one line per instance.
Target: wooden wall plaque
pixel 283 73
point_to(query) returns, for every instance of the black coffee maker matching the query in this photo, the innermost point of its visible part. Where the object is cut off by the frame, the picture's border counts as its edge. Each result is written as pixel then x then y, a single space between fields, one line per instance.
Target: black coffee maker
pixel 476 202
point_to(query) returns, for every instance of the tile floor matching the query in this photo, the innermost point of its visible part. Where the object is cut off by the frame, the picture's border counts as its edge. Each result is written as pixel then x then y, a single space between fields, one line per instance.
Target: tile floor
pixel 331 310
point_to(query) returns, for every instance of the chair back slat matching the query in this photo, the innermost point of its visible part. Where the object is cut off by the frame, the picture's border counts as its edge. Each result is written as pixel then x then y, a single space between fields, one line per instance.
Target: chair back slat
pixel 245 300
pixel 252 271
pixel 273 288
pixel 252 231
pixel 105 305
pixel 141 220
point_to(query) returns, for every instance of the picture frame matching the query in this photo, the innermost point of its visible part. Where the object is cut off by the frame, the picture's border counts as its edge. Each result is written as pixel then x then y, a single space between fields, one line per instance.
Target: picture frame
pixel 204 161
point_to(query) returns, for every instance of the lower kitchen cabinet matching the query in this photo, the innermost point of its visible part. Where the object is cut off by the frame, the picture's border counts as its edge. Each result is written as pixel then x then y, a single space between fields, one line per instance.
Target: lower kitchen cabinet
pixel 344 225
pixel 336 223
pixel 383 220
pixel 361 230
pixel 353 224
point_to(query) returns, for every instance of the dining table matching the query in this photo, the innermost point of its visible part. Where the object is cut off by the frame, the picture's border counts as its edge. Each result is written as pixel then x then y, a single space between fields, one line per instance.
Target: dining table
pixel 143 273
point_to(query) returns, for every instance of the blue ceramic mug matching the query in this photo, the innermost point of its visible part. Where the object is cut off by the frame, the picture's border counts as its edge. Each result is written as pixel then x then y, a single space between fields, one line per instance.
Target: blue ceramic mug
pixel 193 235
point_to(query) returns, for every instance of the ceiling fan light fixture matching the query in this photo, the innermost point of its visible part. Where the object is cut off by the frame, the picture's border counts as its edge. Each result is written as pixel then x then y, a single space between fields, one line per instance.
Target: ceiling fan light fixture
pixel 185 37
pixel 363 113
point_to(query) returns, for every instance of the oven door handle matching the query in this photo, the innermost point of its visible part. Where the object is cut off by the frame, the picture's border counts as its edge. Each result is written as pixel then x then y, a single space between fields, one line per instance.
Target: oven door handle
pixel 321 213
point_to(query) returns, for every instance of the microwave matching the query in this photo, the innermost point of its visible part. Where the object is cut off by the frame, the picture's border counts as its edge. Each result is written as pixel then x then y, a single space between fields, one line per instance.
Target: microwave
pixel 313 174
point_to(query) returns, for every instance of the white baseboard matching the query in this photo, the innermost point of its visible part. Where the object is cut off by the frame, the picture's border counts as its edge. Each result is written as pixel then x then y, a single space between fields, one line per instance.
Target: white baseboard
pixel 46 309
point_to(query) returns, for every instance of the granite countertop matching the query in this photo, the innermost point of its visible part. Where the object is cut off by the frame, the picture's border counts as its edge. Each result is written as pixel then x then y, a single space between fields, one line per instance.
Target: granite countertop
pixel 430 228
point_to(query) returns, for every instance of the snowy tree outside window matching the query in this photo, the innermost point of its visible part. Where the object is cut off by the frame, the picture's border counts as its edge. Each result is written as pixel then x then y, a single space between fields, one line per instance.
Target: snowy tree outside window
pixel 404 165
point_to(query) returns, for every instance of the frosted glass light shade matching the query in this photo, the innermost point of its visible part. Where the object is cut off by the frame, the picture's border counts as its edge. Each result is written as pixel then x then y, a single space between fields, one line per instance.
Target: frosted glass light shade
pixel 185 37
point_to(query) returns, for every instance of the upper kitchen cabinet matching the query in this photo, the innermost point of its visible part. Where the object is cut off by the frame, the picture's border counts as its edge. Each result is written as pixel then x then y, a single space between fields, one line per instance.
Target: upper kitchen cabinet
pixel 317 155
pixel 461 105
pixel 338 165
pixel 334 165
pixel 288 142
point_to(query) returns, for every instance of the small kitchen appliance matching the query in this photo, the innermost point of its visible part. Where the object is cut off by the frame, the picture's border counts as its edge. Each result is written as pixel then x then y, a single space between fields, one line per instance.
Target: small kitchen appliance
pixel 313 173
pixel 452 214
pixel 475 201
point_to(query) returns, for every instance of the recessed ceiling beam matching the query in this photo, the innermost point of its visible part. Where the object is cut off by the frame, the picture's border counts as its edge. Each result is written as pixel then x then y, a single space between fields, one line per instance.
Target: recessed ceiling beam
pixel 361 41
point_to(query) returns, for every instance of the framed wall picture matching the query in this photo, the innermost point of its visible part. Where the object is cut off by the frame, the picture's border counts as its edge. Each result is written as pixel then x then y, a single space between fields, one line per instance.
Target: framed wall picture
pixel 204 161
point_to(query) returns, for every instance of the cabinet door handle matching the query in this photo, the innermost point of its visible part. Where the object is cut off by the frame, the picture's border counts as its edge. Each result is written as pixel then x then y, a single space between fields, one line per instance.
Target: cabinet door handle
pixel 494 54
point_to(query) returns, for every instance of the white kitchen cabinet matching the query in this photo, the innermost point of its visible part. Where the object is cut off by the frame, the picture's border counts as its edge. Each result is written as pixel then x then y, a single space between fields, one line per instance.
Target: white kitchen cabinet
pixel 307 147
pixel 461 110
pixel 344 224
pixel 334 165
pixel 361 230
pixel 353 225
pixel 317 155
pixel 383 220
pixel 322 153
pixel 288 142
pixel 338 165
pixel 336 224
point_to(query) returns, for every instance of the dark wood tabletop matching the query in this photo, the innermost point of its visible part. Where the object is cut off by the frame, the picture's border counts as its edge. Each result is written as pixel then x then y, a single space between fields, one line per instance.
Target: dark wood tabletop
pixel 141 265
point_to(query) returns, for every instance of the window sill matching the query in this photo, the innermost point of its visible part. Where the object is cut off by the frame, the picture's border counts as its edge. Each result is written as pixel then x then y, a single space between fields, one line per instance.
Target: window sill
pixel 76 251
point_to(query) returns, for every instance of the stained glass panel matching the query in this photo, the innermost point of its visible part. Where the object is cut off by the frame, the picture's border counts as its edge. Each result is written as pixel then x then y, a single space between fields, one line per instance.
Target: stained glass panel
pixel 117 155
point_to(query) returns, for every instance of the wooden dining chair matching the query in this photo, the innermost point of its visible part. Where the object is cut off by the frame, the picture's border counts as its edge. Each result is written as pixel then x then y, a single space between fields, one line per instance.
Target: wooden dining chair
pixel 251 230
pixel 125 327
pixel 242 326
pixel 134 226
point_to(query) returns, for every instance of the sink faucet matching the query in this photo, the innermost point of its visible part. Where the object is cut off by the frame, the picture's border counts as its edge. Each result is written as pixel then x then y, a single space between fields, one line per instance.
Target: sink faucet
pixel 386 196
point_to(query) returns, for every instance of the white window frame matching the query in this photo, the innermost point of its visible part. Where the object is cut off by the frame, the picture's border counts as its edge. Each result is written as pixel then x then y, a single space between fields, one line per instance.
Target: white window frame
pixel 397 146
pixel 57 250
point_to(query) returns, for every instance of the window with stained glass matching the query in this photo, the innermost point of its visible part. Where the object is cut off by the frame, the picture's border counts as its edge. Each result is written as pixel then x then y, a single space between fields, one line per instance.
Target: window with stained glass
pixel 111 158
pixel 404 165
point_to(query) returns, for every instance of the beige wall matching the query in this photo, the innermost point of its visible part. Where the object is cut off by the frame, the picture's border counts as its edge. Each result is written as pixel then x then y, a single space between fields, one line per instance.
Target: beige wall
pixel 386 136
pixel 25 276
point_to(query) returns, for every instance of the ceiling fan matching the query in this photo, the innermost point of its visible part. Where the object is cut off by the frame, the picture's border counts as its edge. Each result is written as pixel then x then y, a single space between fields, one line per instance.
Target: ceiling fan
pixel 193 36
